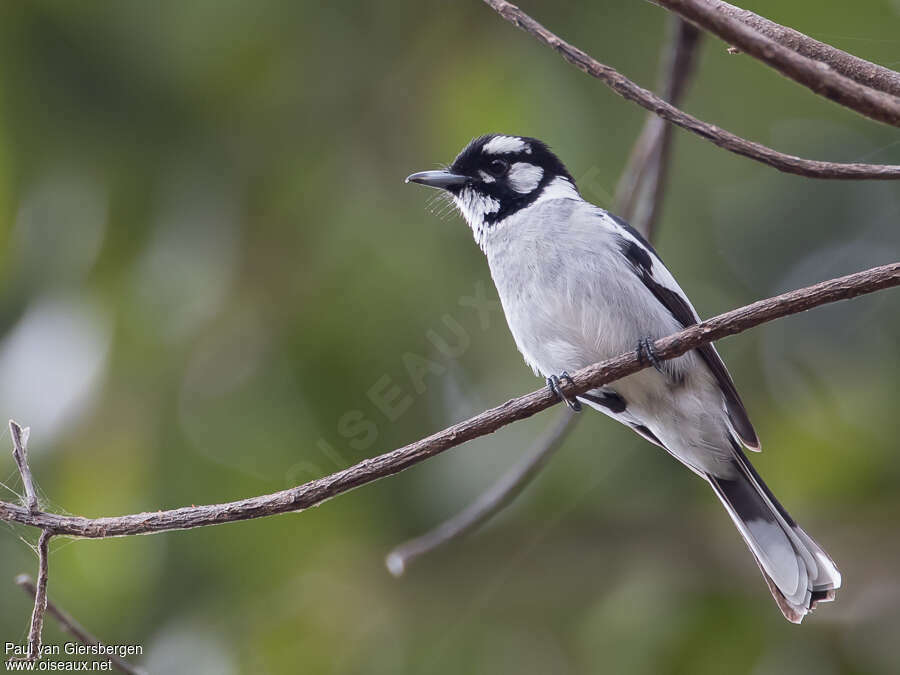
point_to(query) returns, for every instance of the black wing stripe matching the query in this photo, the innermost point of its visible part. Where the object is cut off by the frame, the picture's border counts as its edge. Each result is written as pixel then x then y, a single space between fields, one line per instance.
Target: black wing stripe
pixel 641 430
pixel 733 403
pixel 608 399
pixel 616 405
pixel 643 264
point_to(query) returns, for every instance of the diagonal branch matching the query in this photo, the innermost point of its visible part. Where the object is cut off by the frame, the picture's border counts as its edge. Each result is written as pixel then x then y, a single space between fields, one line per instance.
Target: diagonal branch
pixel 724 139
pixel 640 189
pixel 490 502
pixel 857 69
pixel 814 75
pixel 73 628
pixel 369 470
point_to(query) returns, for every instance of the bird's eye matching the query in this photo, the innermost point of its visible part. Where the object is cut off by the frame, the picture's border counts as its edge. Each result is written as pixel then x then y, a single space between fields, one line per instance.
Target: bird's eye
pixel 498 167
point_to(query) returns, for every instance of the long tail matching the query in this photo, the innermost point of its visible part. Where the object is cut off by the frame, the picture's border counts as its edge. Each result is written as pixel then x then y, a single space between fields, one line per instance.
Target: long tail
pixel 798 572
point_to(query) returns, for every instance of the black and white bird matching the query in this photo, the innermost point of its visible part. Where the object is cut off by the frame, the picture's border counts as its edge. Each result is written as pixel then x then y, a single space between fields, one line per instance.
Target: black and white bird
pixel 579 285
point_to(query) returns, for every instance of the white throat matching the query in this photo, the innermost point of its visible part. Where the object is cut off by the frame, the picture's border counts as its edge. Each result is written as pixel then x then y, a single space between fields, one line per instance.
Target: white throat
pixel 475 207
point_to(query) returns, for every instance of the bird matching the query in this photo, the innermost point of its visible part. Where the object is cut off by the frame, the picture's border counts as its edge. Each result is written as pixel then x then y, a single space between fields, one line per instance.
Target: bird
pixel 579 285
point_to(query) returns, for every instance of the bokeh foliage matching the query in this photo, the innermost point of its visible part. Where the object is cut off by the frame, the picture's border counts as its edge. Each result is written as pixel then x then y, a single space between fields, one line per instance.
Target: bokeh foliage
pixel 209 259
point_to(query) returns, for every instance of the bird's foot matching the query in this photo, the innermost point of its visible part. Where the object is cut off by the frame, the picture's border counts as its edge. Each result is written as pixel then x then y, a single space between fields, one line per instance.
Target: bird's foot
pixel 646 354
pixel 554 383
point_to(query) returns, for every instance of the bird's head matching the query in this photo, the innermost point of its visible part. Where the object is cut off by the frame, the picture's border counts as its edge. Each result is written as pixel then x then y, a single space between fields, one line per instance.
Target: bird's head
pixel 496 176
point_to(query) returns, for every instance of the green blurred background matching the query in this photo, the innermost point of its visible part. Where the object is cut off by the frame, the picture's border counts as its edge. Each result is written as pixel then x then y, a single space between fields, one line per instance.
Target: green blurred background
pixel 209 259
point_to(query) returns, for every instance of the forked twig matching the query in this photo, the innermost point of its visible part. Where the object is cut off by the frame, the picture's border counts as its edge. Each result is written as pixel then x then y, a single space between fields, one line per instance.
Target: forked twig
pixel 73 628
pixel 36 628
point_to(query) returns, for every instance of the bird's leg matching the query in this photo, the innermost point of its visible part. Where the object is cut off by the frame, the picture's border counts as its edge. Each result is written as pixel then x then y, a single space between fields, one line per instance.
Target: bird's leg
pixel 646 353
pixel 554 381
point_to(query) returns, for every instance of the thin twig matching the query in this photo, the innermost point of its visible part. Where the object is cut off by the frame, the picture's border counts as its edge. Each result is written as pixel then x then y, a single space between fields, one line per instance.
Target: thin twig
pixel 369 470
pixel 490 502
pixel 724 139
pixel 73 628
pixel 862 71
pixel 815 75
pixel 642 181
pixel 20 454
pixel 641 188
pixel 40 599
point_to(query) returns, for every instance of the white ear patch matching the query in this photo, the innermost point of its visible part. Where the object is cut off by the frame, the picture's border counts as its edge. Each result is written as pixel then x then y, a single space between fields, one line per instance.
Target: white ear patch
pixel 524 177
pixel 502 144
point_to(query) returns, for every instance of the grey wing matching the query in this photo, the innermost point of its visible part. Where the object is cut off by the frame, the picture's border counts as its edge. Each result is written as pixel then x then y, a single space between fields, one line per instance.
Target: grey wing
pixel 734 406
pixel 648 266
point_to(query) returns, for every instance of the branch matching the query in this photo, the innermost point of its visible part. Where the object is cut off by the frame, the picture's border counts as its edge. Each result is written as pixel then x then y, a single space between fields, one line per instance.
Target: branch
pixel 73 628
pixel 724 139
pixel 40 600
pixel 817 76
pixel 322 489
pixel 641 188
pixel 20 454
pixel 857 69
pixel 490 502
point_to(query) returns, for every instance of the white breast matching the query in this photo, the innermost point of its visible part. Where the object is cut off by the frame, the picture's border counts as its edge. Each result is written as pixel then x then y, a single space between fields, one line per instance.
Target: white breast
pixel 568 297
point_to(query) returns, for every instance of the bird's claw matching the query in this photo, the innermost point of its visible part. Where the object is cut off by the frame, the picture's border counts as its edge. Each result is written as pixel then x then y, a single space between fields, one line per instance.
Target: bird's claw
pixel 646 353
pixel 554 383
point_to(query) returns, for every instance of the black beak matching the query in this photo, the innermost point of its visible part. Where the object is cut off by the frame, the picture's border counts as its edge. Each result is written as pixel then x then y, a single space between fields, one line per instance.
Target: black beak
pixel 438 179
